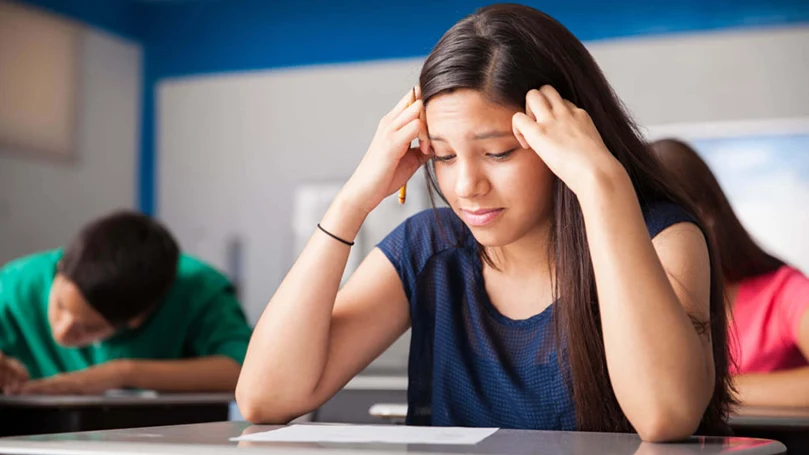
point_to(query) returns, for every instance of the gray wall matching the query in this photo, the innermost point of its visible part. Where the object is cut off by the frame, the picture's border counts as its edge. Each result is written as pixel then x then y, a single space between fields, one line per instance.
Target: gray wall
pixel 710 77
pixel 43 203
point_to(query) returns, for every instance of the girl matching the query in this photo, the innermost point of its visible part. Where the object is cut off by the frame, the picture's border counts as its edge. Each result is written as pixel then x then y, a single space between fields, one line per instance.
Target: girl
pixel 769 298
pixel 538 298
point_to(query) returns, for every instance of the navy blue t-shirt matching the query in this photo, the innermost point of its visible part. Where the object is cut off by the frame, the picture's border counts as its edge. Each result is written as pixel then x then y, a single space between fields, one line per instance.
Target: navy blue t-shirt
pixel 469 364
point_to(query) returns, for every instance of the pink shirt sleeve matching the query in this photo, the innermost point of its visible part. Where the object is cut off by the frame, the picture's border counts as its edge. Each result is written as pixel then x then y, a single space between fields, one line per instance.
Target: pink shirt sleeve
pixel 793 300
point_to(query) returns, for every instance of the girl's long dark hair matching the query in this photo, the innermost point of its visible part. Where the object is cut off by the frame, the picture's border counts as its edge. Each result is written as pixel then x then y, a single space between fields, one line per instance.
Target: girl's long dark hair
pixel 739 255
pixel 504 51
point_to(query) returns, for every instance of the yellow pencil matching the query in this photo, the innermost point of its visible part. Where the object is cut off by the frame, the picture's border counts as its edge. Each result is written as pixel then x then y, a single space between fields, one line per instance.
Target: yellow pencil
pixel 402 193
pixel 403 189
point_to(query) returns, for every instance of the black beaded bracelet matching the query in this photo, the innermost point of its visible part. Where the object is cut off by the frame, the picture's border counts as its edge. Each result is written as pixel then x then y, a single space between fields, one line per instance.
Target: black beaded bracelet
pixel 334 236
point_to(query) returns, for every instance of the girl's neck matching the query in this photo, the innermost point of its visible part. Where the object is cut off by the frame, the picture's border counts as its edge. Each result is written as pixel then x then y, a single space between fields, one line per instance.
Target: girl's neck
pixel 528 256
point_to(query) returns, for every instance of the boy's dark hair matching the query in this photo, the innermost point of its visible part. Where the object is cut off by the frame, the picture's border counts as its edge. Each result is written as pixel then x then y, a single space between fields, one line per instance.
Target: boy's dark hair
pixel 123 264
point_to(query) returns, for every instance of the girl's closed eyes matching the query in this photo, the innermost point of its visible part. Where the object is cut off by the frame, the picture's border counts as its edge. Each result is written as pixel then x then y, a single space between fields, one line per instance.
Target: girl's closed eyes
pixel 446 158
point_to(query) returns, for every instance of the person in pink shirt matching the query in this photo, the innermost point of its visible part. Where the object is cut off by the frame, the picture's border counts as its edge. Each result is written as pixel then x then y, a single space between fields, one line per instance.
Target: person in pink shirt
pixel 769 337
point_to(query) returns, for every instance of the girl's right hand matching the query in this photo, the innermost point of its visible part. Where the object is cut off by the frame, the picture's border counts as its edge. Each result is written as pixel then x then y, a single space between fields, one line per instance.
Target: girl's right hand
pixel 390 161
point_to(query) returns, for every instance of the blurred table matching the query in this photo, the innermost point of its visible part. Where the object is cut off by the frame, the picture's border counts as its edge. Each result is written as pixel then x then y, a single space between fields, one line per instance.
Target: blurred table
pixel 213 438
pixel 23 415
pixel 779 418
pixel 788 425
pixel 390 412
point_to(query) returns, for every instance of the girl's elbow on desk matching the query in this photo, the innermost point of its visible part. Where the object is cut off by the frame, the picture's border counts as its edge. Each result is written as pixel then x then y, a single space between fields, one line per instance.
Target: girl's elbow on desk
pixel 260 405
pixel 260 410
pixel 661 423
pixel 661 429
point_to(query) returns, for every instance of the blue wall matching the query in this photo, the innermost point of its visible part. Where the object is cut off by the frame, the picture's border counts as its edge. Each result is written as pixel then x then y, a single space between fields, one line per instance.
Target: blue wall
pixel 184 37
pixel 192 37
pixel 113 16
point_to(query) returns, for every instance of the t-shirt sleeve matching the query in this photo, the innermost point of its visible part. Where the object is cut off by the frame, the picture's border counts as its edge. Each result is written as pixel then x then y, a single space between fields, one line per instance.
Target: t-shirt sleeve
pixel 8 330
pixel 662 214
pixel 416 240
pixel 394 247
pixel 9 297
pixel 793 299
pixel 220 328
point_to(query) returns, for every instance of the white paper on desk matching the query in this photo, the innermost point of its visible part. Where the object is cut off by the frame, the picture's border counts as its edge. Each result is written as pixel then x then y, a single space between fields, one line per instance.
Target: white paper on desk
pixel 392 434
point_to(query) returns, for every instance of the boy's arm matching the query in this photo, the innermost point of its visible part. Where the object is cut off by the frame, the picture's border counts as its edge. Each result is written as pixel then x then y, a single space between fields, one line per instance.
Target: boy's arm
pixel 216 343
pixel 205 374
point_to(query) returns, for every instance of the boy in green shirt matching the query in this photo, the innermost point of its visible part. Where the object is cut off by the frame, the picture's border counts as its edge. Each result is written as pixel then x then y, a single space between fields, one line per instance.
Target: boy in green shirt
pixel 120 307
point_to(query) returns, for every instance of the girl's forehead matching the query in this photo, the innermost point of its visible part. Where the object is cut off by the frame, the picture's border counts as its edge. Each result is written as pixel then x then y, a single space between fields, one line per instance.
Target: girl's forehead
pixel 465 111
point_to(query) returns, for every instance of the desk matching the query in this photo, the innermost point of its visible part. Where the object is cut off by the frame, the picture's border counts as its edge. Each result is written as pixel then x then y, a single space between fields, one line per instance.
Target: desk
pixel 20 415
pixel 213 438
pixel 788 425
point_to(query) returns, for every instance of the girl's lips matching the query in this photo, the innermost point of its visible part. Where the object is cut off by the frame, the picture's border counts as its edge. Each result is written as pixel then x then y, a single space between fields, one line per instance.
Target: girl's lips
pixel 480 217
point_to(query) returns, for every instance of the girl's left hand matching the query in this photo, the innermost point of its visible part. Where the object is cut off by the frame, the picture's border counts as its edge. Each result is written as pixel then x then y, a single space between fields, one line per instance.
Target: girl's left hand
pixel 565 137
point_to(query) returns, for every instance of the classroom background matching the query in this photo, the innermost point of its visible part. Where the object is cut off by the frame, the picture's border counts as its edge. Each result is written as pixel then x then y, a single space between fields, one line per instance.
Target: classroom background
pixel 235 121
